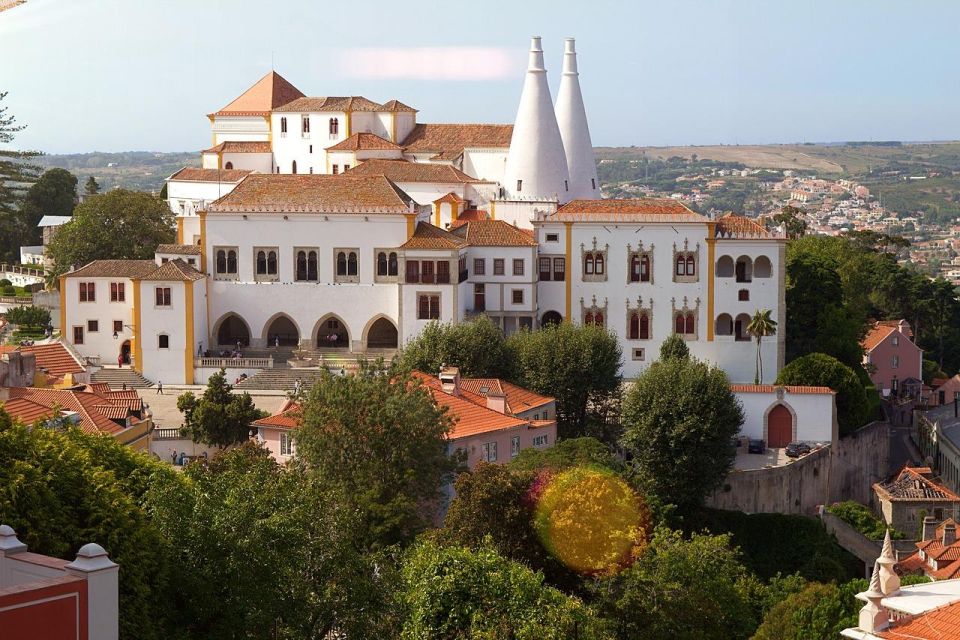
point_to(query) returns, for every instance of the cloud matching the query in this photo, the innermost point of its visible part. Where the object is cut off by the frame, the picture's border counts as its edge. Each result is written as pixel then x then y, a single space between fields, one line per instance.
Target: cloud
pixel 432 63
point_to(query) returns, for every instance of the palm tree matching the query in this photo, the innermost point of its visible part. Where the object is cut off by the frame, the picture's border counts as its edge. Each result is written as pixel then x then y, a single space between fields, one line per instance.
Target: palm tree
pixel 761 325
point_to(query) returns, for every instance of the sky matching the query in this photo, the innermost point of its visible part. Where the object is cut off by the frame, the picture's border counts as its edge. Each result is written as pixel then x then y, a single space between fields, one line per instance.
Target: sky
pixel 118 75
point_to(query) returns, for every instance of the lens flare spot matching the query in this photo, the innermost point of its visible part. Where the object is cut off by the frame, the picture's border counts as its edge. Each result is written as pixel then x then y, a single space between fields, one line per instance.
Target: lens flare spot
pixel 591 520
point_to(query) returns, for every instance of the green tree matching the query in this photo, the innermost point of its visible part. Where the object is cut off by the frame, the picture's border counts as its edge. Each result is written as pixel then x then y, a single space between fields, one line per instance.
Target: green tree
pixel 792 220
pixel 761 326
pixel 454 592
pixel 29 317
pixel 674 347
pixel 53 194
pixel 91 187
pixel 822 370
pixel 119 224
pixel 577 365
pixel 679 419
pixel 15 172
pixel 566 454
pixel 683 588
pixel 63 489
pixel 477 347
pixel 378 437
pixel 219 417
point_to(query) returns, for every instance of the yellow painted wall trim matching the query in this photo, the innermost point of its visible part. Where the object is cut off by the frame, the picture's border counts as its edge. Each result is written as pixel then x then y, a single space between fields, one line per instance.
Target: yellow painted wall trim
pixel 179 230
pixel 269 128
pixel 436 214
pixel 203 241
pixel 493 209
pixel 188 323
pixel 137 326
pixel 348 123
pixel 393 128
pixel 568 274
pixel 63 308
pixel 411 224
pixel 454 212
pixel 711 279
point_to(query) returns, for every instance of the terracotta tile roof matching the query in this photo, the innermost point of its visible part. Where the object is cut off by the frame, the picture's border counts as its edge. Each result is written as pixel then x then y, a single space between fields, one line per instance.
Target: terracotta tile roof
pixel 83 403
pixel 427 236
pixel 196 174
pixel 942 622
pixel 288 417
pixel 911 563
pixel 493 233
pixel 114 269
pixel 54 358
pixel 907 331
pixel 181 249
pixel 97 387
pixel 770 388
pixel 241 146
pixel 626 210
pixel 284 193
pixel 329 103
pixel 915 484
pixel 406 171
pixel 26 411
pixel 471 418
pixel 396 105
pixel 448 141
pixel 518 398
pixel 364 141
pixel 876 335
pixel 734 226
pixel 174 271
pixel 451 197
pixel 268 93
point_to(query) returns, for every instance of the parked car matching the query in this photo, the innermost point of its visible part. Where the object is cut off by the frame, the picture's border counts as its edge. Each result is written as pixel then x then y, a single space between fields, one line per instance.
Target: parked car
pixel 756 446
pixel 797 449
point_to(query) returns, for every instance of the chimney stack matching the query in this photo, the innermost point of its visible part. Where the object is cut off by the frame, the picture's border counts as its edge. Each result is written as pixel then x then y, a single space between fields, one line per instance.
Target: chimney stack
pixel 497 401
pixel 450 380
pixel 929 528
pixel 574 131
pixel 949 533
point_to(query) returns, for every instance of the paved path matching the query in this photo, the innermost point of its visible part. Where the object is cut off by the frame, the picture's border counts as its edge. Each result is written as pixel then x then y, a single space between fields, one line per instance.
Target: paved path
pixel 166 414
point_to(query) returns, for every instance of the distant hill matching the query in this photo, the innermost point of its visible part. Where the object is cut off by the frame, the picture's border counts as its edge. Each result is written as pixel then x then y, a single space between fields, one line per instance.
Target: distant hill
pixel 139 170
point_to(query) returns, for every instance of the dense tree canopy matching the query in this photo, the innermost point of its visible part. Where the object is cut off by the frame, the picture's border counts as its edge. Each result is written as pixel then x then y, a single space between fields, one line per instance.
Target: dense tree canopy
pixel 91 187
pixel 16 174
pixel 119 224
pixel 578 365
pixel 219 417
pixel 53 194
pixel 679 419
pixel 674 347
pixel 477 347
pixel 33 317
pixel 821 370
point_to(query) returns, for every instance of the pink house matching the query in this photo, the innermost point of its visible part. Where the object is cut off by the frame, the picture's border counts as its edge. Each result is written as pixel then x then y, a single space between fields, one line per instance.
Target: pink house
pixel 944 391
pixel 493 419
pixel 890 356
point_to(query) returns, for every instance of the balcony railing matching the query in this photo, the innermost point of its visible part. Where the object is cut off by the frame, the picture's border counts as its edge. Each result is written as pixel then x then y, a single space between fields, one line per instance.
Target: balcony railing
pixel 234 363
pixel 167 434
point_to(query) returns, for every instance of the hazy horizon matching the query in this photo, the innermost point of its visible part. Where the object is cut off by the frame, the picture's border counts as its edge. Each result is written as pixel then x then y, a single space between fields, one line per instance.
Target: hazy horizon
pixel 120 76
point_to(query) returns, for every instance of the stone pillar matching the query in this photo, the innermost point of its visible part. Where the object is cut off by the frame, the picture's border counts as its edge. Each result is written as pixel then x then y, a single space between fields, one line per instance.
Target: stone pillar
pixel 873 617
pixel 101 574
pixel 9 546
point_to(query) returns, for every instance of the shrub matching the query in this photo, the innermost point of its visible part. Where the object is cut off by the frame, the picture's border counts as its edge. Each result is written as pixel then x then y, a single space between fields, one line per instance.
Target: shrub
pixel 821 370
pixel 862 519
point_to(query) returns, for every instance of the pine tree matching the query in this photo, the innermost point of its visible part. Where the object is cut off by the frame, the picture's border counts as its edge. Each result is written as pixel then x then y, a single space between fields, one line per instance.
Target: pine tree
pixel 16 174
pixel 91 187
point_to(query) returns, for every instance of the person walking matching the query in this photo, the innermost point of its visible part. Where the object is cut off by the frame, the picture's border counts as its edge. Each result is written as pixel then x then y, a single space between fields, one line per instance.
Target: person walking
pixel 120 361
pixel 200 349
pixel 159 388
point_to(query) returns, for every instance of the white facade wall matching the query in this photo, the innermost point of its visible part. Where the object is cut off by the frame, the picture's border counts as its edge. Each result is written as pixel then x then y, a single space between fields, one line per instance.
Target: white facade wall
pixel 189 196
pixel 294 145
pixel 240 129
pixel 99 343
pixel 260 162
pixel 498 289
pixel 166 365
pixel 485 163
pixel 425 193
pixel 406 121
pixel 813 413
pixel 522 213
pixel 370 122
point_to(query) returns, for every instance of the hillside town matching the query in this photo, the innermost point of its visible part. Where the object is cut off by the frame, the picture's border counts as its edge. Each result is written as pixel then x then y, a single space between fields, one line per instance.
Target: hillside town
pixel 354 373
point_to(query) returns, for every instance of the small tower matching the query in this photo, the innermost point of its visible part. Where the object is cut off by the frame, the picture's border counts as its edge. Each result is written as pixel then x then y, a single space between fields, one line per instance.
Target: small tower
pixel 572 120
pixel 873 617
pixel 536 166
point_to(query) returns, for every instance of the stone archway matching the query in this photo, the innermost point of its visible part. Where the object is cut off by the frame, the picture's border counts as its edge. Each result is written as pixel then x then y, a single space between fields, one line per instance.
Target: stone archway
pixel 381 333
pixel 331 332
pixel 231 329
pixel 779 426
pixel 281 330
pixel 551 317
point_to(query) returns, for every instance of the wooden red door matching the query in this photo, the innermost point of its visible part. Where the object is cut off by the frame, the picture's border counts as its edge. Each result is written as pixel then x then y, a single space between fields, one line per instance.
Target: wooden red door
pixel 779 427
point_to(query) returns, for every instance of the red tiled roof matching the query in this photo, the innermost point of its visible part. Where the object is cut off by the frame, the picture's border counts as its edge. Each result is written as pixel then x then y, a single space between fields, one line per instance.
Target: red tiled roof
pixel 364 141
pixel 940 623
pixel 406 171
pixel 493 233
pixel 180 249
pixel 85 404
pixel 54 358
pixel 907 331
pixel 876 335
pixel 285 193
pixel 133 269
pixel 626 210
pixel 195 174
pixel 288 417
pixel 268 93
pixel 174 271
pixel 915 483
pixel 241 146
pixel 448 141
pixel 427 236
pixel 396 105
pixel 26 411
pixel 734 226
pixel 770 388
pixel 518 398
pixel 329 103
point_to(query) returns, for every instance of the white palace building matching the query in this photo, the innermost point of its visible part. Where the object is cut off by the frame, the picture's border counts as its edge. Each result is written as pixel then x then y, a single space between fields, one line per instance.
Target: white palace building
pixel 343 224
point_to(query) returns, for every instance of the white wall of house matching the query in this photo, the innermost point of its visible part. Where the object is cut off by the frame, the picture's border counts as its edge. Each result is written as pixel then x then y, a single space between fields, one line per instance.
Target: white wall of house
pixel 164 364
pixel 99 343
pixel 814 414
pixel 239 128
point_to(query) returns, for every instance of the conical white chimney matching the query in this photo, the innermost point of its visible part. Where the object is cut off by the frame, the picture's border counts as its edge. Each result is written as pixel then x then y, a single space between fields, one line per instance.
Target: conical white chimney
pixel 572 120
pixel 536 164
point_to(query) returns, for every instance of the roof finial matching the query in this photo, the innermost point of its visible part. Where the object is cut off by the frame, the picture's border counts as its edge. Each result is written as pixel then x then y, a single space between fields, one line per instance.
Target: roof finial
pixel 889 580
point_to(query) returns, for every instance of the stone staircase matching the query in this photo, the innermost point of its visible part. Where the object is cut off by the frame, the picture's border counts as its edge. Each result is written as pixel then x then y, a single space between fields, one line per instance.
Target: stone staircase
pixel 117 377
pixel 283 379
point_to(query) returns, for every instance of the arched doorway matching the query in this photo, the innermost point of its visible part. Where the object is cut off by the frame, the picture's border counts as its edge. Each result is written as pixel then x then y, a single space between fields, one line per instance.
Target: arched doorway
pixel 550 317
pixel 332 333
pixel 125 352
pixel 282 332
pixel 233 330
pixel 779 427
pixel 382 334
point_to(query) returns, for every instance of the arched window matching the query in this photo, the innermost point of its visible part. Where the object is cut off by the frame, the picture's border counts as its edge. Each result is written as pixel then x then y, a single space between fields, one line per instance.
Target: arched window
pixel 393 269
pixel 231 261
pixel 690 329
pixel 301 265
pixel 724 325
pixel 334 126
pixel 644 326
pixel 588 319
pixel 633 332
pixel 272 263
pixel 228 166
pixel 283 125
pixel 352 264
pixel 634 268
pixel 312 265
pixel 691 266
pixel 725 267
pixel 599 264
pixel 293 167
pixel 341 263
pixel 261 262
pixel 744 269
pixel 598 319
pixel 645 268
pixel 382 263
pixel 762 267
pixel 681 266
pixel 306 124
pixel 221 261
pixel 679 325
pixel 588 264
